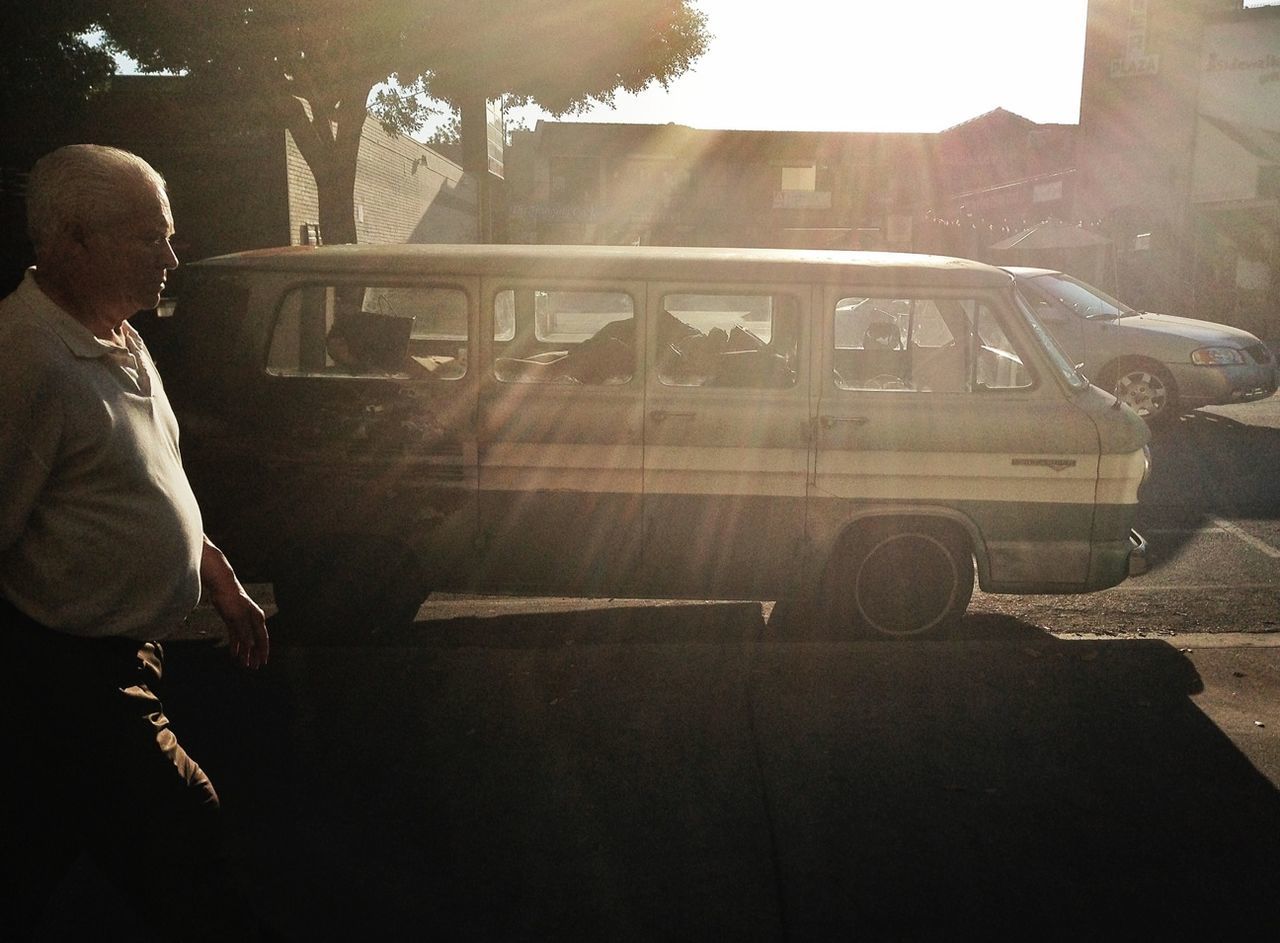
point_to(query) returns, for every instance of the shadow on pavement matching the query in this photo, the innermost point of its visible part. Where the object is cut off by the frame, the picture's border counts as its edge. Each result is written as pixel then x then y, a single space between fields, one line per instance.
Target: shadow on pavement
pixel 689 772
pixel 1205 465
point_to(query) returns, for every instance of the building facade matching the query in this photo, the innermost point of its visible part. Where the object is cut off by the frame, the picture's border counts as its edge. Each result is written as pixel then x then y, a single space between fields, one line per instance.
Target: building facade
pixel 1179 114
pixel 1235 178
pixel 571 182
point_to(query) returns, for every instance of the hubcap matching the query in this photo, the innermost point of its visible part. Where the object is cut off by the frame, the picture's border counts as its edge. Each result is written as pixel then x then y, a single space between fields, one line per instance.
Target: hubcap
pixel 906 585
pixel 1144 392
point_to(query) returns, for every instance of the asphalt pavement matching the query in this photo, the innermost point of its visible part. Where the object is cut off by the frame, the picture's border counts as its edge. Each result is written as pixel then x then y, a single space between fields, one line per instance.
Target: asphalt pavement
pixel 681 772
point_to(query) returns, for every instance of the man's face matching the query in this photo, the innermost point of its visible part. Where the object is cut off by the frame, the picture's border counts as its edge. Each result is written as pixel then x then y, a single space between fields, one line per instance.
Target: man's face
pixel 129 255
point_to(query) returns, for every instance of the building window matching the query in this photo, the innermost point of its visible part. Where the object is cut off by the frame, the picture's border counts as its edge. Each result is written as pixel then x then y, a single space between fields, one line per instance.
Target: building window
pixel 574 181
pixel 800 177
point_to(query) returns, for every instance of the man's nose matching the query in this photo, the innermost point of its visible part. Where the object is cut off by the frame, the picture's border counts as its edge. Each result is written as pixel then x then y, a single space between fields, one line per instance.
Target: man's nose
pixel 170 257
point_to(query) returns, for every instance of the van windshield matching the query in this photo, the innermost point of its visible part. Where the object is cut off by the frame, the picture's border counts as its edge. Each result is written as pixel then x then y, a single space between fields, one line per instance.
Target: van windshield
pixel 1057 356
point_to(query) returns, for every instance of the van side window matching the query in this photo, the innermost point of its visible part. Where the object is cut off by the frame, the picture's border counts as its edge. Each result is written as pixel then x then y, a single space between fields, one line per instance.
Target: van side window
pixel 923 344
pixel 401 332
pixel 552 336
pixel 748 341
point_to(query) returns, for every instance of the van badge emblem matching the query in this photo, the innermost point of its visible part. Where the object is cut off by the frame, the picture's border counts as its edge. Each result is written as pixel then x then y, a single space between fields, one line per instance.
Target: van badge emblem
pixel 1057 464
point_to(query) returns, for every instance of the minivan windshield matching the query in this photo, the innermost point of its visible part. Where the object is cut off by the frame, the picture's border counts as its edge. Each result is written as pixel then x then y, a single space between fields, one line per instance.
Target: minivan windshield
pixel 1080 298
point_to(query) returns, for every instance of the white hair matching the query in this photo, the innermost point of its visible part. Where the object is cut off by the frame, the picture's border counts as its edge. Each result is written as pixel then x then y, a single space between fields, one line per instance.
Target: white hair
pixel 79 187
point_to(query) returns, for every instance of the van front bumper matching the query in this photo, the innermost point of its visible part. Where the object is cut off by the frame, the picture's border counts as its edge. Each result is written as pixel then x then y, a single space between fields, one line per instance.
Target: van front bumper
pixel 1137 554
pixel 1114 561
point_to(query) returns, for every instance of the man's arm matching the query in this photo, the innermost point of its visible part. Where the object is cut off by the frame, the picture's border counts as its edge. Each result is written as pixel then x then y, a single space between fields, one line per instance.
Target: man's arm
pixel 30 429
pixel 246 625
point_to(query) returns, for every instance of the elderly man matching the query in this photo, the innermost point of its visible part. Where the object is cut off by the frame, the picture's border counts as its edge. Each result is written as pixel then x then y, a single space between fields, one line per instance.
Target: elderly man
pixel 102 554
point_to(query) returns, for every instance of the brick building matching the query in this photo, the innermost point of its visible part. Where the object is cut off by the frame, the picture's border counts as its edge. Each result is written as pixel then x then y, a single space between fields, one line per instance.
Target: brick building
pixel 235 186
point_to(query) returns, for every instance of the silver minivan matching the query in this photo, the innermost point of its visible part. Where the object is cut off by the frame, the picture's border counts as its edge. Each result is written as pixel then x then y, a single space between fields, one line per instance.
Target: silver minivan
pixel 1158 364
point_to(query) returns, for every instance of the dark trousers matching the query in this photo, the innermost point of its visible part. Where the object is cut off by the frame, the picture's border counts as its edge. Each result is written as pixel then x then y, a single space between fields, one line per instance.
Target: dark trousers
pixel 90 764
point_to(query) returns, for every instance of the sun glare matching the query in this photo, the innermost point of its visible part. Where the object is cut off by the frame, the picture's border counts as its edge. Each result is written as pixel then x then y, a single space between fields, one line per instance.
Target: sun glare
pixel 857 65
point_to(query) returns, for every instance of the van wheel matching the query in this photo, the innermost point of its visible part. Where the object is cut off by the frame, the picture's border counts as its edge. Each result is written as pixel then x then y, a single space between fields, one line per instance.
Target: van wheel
pixel 901 579
pixel 347 591
pixel 1146 387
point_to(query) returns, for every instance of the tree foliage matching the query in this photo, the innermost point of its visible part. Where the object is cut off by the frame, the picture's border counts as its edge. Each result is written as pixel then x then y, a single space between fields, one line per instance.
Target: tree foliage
pixel 48 65
pixel 312 65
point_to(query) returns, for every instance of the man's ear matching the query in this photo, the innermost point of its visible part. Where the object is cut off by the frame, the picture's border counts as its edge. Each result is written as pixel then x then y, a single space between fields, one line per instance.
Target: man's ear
pixel 79 233
pixel 73 242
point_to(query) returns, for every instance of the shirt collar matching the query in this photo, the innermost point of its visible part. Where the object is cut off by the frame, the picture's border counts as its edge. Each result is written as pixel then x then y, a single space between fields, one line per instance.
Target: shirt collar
pixel 79 339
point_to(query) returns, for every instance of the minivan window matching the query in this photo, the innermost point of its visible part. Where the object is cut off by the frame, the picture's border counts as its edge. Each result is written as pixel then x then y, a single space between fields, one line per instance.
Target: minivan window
pixel 727 340
pixel 925 345
pixel 356 330
pixel 563 336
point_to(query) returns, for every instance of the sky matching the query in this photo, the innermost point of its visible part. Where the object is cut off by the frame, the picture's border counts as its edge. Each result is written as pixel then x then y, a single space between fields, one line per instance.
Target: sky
pixel 871 65
pixel 868 65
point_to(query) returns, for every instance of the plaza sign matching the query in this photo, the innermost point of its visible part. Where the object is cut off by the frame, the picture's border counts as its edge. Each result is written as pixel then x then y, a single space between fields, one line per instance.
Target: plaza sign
pixel 1135 60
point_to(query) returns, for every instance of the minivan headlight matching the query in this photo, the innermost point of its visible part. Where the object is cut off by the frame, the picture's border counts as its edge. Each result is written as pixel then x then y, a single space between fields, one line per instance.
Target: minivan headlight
pixel 1211 356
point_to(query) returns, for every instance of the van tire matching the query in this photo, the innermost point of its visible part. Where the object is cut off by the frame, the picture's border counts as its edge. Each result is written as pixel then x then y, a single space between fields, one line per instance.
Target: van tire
pixel 347 591
pixel 904 578
pixel 1145 386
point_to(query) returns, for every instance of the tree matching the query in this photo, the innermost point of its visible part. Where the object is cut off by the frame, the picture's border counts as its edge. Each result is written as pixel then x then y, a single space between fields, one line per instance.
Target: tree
pixel 48 65
pixel 311 65
pixel 449 133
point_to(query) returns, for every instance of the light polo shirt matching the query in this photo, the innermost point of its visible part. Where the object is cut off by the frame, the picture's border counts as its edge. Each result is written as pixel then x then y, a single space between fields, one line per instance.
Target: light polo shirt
pixel 100 533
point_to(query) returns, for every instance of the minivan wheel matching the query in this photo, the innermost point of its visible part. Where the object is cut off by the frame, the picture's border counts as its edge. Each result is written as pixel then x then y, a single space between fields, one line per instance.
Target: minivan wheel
pixel 347 591
pixel 902 580
pixel 1145 387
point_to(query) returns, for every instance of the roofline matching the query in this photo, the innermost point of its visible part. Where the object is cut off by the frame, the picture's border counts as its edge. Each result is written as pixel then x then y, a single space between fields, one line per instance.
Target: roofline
pixel 1242 13
pixel 1001 110
pixel 764 133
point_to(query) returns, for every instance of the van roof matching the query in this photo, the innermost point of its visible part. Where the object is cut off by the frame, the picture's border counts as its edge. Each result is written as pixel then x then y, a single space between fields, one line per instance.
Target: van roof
pixel 646 262
pixel 1028 271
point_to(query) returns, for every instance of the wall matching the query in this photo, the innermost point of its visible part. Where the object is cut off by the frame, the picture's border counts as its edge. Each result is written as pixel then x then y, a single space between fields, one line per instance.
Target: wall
pixel 1137 136
pixel 405 192
pixel 226 181
pixel 1236 186
pixel 235 186
pixel 674 185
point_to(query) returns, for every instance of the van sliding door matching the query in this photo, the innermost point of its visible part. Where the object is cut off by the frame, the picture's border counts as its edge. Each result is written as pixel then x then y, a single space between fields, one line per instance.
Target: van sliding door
pixel 560 436
pixel 725 440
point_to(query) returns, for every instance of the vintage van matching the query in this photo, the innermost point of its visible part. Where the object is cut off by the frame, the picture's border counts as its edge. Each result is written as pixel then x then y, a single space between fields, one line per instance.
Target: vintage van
pixel 367 424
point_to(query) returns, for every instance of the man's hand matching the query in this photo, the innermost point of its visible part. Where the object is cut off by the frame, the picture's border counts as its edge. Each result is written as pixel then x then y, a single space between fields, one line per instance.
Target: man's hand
pixel 246 625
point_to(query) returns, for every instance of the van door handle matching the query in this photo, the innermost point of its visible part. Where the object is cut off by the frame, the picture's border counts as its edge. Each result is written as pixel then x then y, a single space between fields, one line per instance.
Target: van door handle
pixel 829 421
pixel 658 415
